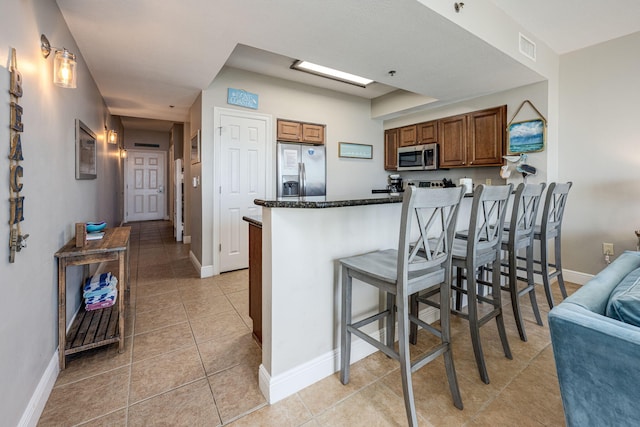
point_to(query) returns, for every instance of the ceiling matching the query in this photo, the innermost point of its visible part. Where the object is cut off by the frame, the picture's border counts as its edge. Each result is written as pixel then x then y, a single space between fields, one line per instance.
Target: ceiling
pixel 158 56
pixel 568 25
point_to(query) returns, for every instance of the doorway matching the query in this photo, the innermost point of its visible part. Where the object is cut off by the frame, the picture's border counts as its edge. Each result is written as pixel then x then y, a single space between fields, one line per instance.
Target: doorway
pixel 145 197
pixel 244 171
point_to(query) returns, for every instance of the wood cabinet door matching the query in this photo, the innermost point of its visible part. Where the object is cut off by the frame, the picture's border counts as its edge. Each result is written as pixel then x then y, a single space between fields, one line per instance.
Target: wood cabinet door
pixel 408 136
pixel 453 140
pixel 289 131
pixel 312 133
pixel 391 149
pixel 428 132
pixel 486 137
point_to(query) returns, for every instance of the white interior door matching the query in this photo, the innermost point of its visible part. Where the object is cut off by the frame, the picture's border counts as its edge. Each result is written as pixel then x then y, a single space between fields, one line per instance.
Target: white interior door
pixel 243 179
pixel 145 185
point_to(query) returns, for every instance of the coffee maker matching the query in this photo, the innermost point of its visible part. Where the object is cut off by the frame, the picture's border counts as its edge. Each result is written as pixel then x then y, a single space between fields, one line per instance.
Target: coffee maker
pixel 394 184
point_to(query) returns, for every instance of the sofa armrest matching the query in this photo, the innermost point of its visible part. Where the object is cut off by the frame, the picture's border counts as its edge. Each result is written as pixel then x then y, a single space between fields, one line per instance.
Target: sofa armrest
pixel 594 295
pixel 598 365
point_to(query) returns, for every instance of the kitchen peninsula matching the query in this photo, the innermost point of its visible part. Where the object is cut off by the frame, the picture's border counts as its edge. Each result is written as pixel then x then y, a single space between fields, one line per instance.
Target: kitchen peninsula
pixel 302 241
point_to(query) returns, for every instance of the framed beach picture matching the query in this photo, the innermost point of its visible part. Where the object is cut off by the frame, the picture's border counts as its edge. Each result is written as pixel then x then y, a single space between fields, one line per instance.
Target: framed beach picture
pixel 526 137
pixel 86 154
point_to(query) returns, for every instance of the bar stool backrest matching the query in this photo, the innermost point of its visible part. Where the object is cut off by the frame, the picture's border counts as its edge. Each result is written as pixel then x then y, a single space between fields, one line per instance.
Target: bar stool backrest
pixel 435 212
pixel 487 219
pixel 525 210
pixel 553 210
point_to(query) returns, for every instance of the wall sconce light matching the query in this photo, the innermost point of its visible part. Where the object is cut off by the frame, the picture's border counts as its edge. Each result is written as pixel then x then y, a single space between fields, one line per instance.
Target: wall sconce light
pixel 64 64
pixel 112 137
pixel 123 153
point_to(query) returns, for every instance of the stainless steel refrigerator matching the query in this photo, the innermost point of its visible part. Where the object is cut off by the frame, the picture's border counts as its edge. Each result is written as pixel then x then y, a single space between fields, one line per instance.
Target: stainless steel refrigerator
pixel 301 170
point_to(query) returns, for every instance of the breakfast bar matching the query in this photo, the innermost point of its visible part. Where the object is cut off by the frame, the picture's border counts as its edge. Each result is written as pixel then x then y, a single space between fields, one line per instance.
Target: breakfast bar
pixel 302 241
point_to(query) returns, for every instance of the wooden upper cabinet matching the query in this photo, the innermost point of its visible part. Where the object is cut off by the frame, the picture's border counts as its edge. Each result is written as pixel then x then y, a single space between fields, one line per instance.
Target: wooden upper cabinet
pixel 408 136
pixel 465 141
pixel 312 133
pixel 487 135
pixel 300 132
pixel 452 138
pixel 391 149
pixel 427 132
pixel 289 131
pixel 473 139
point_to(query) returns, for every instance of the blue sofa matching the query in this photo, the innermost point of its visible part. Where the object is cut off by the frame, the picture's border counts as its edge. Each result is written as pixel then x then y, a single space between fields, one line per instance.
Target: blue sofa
pixel 598 357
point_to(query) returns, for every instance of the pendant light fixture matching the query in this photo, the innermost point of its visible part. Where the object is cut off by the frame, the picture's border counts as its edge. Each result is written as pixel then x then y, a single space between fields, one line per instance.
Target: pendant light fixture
pixel 64 64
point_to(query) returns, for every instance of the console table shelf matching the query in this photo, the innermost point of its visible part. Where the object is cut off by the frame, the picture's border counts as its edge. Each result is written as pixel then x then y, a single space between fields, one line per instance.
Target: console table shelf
pixel 92 329
pixel 100 327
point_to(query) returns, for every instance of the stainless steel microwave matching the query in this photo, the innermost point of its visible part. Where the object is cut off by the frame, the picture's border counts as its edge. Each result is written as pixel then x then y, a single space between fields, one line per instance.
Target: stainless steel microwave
pixel 418 157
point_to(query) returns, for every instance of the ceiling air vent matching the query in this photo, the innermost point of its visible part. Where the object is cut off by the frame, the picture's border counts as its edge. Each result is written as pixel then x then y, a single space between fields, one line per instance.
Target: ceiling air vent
pixel 527 47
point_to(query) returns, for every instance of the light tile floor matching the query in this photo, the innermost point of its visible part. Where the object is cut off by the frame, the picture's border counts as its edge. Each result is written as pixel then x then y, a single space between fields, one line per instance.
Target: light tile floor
pixel 190 360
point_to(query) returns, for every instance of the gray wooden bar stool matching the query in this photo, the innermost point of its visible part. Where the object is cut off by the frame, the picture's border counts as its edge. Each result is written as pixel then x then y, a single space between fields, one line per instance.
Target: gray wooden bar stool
pixel 430 216
pixel 551 228
pixel 473 248
pixel 518 235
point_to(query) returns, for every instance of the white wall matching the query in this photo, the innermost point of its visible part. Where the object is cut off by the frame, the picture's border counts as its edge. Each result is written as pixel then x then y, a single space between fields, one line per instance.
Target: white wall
pixel 348 119
pixel 599 151
pixel 54 199
pixel 193 200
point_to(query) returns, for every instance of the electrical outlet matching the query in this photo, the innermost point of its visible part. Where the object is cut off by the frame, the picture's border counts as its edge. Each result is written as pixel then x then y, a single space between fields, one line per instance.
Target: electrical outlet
pixel 607 249
pixel 487 181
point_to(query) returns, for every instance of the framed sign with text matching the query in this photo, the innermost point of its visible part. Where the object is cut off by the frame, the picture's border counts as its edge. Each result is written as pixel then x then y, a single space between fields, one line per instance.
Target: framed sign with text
pixel 242 98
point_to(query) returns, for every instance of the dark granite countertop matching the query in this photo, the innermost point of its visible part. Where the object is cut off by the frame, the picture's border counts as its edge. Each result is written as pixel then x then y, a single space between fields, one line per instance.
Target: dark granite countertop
pixel 253 219
pixel 315 202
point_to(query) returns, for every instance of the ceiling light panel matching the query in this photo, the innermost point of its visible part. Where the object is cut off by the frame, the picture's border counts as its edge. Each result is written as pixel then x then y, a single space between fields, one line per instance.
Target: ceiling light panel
pixel 330 73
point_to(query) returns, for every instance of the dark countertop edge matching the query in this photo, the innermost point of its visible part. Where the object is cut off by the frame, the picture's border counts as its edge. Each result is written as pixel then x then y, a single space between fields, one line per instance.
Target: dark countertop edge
pixel 316 204
pixel 254 219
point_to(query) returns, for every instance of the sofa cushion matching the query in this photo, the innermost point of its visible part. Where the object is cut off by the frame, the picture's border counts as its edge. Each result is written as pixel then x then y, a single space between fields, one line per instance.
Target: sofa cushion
pixel 624 301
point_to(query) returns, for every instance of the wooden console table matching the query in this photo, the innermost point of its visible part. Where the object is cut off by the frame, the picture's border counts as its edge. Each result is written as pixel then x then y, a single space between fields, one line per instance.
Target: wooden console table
pixel 94 328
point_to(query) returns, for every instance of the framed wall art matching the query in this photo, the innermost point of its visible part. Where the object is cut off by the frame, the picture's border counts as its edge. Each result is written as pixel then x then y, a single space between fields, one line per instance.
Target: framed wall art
pixel 355 151
pixel 195 147
pixel 86 152
pixel 526 137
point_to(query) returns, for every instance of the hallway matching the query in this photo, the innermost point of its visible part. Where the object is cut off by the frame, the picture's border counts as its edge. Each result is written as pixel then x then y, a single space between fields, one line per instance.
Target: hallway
pixel 190 360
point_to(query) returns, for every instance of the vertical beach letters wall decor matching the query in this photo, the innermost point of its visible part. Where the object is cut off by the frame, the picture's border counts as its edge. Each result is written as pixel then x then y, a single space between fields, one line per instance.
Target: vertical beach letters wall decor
pixel 17 240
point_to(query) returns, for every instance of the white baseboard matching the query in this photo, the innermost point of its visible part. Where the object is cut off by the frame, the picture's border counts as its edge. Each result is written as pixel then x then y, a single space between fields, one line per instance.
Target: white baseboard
pixel 205 271
pixel 195 261
pixel 576 277
pixel 277 388
pixel 38 400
